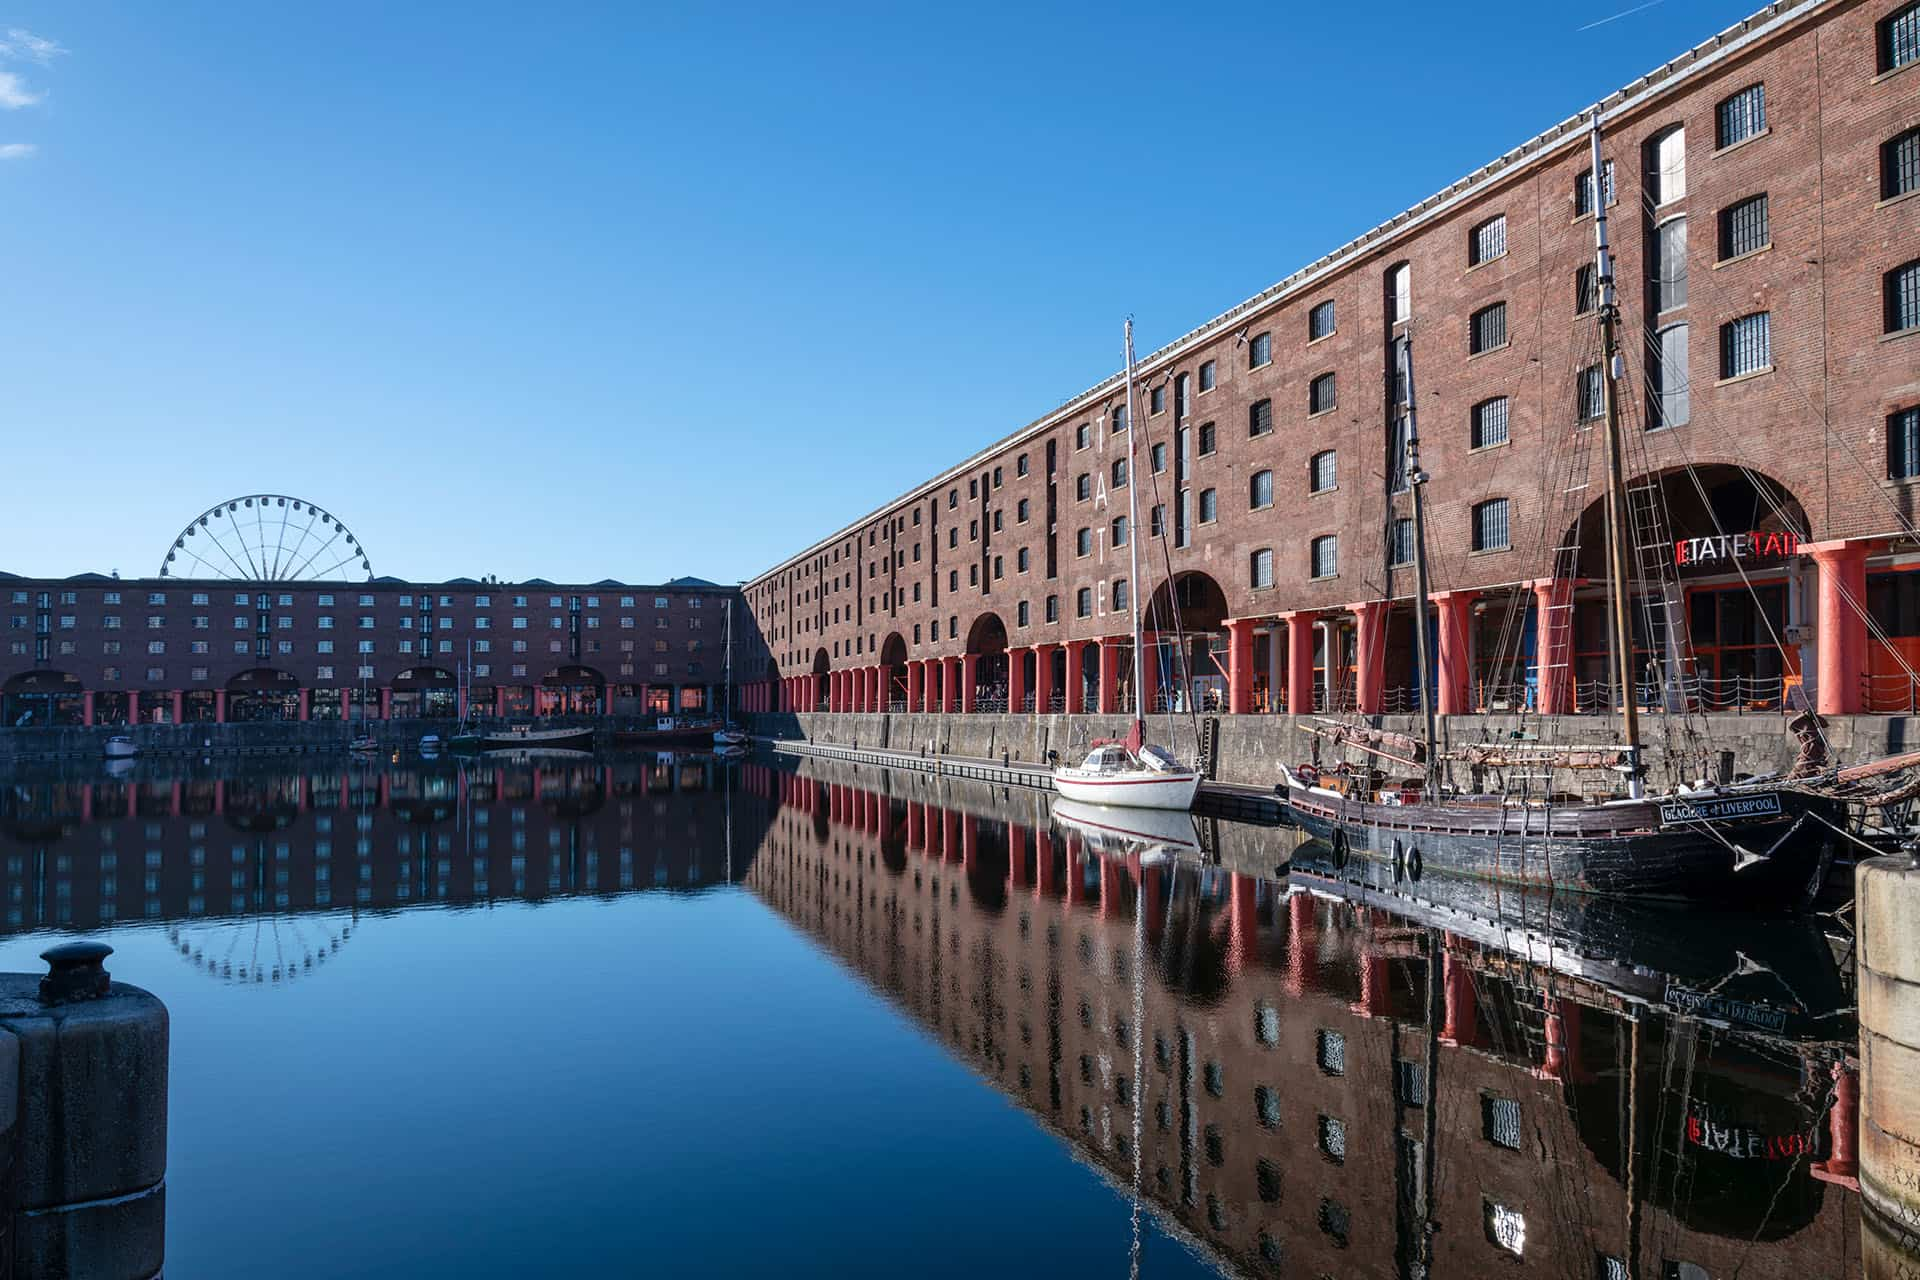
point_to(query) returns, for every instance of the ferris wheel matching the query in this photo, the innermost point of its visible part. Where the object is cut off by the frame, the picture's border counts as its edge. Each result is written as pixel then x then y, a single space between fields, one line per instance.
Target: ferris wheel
pixel 262 948
pixel 266 537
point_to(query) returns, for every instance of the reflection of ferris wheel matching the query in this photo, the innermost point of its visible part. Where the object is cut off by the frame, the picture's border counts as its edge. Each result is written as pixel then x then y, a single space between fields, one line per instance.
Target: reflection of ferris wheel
pixel 268 948
pixel 266 537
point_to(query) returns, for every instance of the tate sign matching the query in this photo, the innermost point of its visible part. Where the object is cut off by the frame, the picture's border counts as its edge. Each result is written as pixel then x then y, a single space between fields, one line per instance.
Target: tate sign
pixel 1735 546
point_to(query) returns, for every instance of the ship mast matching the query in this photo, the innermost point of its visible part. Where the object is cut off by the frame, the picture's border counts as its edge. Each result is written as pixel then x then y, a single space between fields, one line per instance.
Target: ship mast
pixel 1422 604
pixel 1617 582
pixel 1139 735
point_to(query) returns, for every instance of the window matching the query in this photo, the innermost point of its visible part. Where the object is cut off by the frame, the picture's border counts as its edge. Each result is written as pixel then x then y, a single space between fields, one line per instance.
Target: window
pixel 1588 401
pixel 1209 506
pixel 1489 423
pixel 1586 289
pixel 1899 39
pixel 1117 532
pixel 1182 397
pixel 1500 1121
pixel 1583 188
pixel 1207 442
pixel 1020 465
pixel 1746 345
pixel 1082 490
pixel 1206 376
pixel 1082 438
pixel 1669 265
pixel 1400 293
pixel 1119 473
pixel 1323 556
pixel 1320 321
pixel 1083 542
pixel 1742 116
pixel 1400 546
pixel 1053 608
pixel 1320 394
pixel 1488 241
pixel 1667 378
pixel 1083 602
pixel 1743 227
pixel 1490 525
pixel 1157 457
pixel 1322 471
pixel 1260 568
pixel 1260 350
pixel 1903 297
pixel 1260 490
pixel 1119 593
pixel 1900 162
pixel 1666 165
pixel 1259 417
pixel 1903 444
pixel 1157 399
pixel 1157 521
pixel 1333 1139
pixel 1488 329
pixel 1021 512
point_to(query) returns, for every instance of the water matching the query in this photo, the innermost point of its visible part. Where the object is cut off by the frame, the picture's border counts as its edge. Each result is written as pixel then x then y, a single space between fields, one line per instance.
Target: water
pixel 607 1016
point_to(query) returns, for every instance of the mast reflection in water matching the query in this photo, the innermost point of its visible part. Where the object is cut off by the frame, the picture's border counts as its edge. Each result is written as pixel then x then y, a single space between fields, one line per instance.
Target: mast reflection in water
pixel 1309 1073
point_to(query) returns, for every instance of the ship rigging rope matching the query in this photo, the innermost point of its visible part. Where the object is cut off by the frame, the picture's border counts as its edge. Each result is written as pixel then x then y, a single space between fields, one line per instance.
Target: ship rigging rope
pixel 1182 661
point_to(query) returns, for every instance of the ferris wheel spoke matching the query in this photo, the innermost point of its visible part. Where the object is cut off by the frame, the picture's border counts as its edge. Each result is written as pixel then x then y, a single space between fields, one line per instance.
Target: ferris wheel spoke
pixel 250 542
pixel 318 552
pixel 322 575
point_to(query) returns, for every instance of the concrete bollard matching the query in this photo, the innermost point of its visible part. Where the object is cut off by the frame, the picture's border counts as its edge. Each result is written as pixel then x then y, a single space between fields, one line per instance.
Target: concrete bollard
pixel 1888 894
pixel 83 1109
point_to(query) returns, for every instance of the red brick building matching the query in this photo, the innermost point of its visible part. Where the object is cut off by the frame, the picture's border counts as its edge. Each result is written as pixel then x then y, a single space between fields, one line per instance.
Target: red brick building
pixel 1761 194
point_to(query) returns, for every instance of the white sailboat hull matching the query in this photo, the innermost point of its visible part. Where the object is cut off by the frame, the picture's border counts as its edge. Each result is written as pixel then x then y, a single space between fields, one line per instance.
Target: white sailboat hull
pixel 1134 789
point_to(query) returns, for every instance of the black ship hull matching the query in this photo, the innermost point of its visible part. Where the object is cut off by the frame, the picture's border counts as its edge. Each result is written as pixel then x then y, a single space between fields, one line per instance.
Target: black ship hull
pixel 1772 852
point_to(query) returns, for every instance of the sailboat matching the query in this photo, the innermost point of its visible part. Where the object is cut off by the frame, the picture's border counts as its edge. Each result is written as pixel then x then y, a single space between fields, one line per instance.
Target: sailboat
pixel 1135 773
pixel 363 742
pixel 729 734
pixel 1763 840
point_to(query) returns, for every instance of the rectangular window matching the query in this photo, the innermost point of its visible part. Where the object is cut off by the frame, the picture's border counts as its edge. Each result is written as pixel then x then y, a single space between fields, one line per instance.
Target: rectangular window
pixel 1324 556
pixel 1400 549
pixel 1260 350
pixel 1743 227
pixel 1157 399
pixel 1586 290
pixel 1489 423
pixel 1206 376
pixel 1667 381
pixel 1320 321
pixel 1587 394
pixel 1259 418
pixel 1666 165
pixel 1583 188
pixel 1489 241
pixel 1322 471
pixel 1900 165
pixel 1320 394
pixel 1903 444
pixel 1083 602
pixel 1330 1052
pixel 1500 1121
pixel 1082 491
pixel 1260 568
pixel 1900 38
pixel 1746 345
pixel 1020 465
pixel 1117 533
pixel 1669 265
pixel 1207 442
pixel 1903 297
pixel 1209 506
pixel 1260 490
pixel 1490 525
pixel 1488 328
pixel 1741 116
pixel 1400 293
pixel 1157 457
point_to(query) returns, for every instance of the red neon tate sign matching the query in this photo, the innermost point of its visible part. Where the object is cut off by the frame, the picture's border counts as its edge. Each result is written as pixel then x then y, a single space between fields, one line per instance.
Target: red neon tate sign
pixel 1735 546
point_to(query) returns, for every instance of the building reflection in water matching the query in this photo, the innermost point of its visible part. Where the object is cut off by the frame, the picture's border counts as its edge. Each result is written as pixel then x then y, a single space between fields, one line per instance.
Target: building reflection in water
pixel 1314 1076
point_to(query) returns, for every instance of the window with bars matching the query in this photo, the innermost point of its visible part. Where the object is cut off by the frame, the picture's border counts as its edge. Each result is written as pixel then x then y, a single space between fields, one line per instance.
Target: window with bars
pixel 1083 602
pixel 1490 532
pixel 1488 328
pixel 1260 567
pixel 1903 297
pixel 1320 320
pixel 1119 593
pixel 1259 350
pixel 1117 531
pixel 1259 417
pixel 1397 455
pixel 1157 399
pixel 1743 227
pixel 1488 241
pixel 1583 188
pixel 1900 165
pixel 1083 542
pixel 1410 1082
pixel 1320 394
pixel 1669 265
pixel 1207 439
pixel 1322 471
pixel 1157 457
pixel 1260 490
pixel 1741 116
pixel 1333 1139
pixel 1323 556
pixel 1903 443
pixel 1118 473
pixel 1899 39
pixel 1586 289
pixel 1489 423
pixel 1667 380
pixel 1400 544
pixel 1209 506
pixel 1500 1121
pixel 1588 401
pixel 1746 345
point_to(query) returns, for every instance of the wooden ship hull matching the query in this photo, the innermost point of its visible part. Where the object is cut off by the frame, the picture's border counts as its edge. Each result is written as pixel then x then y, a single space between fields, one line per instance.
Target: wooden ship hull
pixel 510 740
pixel 1762 847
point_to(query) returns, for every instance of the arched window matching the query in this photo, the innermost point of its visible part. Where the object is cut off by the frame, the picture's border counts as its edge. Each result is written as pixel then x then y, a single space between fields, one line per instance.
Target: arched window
pixel 1323 471
pixel 1260 490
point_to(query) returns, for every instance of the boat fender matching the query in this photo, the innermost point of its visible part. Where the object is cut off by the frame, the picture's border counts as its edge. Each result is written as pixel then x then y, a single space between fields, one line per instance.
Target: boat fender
pixel 1414 864
pixel 1339 843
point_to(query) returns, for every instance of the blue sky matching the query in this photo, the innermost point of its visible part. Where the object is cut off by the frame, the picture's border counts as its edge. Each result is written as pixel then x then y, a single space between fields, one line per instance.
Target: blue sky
pixel 586 291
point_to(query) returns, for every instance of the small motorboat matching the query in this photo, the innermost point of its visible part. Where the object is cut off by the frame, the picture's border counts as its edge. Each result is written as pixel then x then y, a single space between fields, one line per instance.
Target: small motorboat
pixel 669 731
pixel 121 747
pixel 521 736
pixel 364 744
pixel 730 735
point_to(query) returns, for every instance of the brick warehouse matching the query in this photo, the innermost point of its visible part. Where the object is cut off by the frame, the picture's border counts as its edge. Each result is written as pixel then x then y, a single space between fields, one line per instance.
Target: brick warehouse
pixel 93 650
pixel 1772 398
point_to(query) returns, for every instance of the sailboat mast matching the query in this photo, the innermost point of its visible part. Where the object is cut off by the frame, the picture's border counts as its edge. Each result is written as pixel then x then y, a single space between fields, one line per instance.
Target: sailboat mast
pixel 1618 584
pixel 1133 550
pixel 1422 603
pixel 728 709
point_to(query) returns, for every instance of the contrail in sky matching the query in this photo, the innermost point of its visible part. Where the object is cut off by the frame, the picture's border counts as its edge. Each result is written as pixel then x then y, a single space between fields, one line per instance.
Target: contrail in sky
pixel 1616 17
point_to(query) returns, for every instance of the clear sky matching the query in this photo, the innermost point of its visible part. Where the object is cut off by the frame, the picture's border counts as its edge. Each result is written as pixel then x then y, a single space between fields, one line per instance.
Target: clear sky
pixel 596 290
